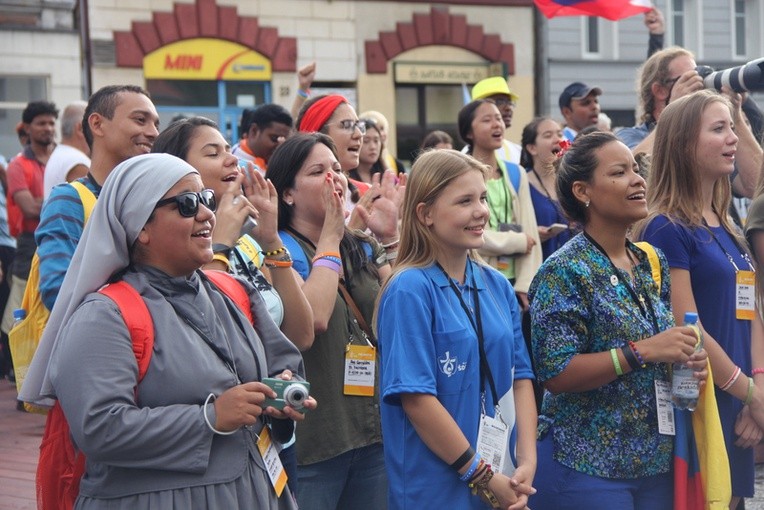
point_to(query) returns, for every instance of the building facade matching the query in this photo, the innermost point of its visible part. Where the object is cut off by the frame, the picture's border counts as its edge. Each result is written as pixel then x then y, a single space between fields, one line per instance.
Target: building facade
pixel 721 34
pixel 410 60
pixel 407 60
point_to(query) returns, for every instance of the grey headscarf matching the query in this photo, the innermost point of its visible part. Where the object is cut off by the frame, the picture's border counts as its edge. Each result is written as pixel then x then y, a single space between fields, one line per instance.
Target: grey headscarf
pixel 122 210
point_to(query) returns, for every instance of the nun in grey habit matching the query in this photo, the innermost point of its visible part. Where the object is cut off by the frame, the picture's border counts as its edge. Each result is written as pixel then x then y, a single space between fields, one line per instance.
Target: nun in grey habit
pixel 149 444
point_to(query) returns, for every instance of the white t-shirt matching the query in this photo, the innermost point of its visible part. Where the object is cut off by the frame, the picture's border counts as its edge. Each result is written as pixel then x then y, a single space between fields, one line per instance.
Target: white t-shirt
pixel 61 161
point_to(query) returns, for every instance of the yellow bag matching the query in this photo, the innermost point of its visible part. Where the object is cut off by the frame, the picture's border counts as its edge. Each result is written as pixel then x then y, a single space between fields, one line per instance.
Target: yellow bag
pixel 25 336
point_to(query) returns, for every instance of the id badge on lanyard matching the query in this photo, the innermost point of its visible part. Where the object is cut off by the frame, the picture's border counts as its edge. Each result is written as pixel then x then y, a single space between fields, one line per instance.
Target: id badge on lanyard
pixel 360 364
pixel 274 468
pixel 745 295
pixel 492 441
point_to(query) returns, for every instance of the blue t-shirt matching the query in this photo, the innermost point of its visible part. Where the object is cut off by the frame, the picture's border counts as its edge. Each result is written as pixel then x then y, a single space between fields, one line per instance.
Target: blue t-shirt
pixel 548 212
pixel 712 277
pixel 428 346
pixel 577 307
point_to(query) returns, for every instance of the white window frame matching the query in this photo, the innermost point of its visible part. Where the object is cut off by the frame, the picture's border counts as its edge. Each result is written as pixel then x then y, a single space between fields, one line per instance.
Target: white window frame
pixel 692 26
pixel 607 34
pixel 737 55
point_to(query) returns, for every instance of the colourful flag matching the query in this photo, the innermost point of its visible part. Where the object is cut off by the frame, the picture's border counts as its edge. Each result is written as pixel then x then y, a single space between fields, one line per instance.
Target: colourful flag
pixel 610 9
pixel 701 466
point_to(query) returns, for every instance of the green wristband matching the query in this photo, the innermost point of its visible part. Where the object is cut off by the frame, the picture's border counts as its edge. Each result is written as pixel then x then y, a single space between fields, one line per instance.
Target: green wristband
pixel 616 362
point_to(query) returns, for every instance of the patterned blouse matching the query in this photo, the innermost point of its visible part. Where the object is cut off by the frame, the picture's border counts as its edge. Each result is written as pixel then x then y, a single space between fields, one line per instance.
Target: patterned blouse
pixel 580 305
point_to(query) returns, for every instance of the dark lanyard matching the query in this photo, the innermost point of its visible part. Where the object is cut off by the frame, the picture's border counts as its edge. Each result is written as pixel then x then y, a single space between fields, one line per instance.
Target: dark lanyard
pixel 485 369
pixel 554 202
pixel 647 312
pixel 729 257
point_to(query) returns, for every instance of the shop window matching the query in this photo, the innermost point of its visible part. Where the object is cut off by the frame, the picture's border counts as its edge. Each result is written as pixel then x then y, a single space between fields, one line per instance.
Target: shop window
pixel 420 109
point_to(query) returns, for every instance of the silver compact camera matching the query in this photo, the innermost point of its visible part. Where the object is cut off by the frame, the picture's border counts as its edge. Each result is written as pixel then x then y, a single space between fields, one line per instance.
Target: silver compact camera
pixel 288 393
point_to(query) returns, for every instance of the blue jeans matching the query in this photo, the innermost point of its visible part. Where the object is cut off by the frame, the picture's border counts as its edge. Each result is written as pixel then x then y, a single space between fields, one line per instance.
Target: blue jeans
pixel 560 487
pixel 354 480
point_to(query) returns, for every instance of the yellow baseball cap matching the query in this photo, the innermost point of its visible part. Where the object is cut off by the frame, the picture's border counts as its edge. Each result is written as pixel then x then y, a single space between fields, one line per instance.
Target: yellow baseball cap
pixel 494 85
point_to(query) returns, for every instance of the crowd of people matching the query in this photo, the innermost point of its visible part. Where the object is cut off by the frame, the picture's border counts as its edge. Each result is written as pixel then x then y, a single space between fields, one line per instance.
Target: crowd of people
pixel 477 331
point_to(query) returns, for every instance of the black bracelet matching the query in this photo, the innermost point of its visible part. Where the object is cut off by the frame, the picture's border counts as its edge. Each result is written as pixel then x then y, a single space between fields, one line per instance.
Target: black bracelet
pixel 463 459
pixel 631 358
pixel 221 248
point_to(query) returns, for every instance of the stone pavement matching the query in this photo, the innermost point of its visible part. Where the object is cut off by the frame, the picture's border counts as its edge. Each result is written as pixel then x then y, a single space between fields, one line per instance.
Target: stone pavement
pixel 20 435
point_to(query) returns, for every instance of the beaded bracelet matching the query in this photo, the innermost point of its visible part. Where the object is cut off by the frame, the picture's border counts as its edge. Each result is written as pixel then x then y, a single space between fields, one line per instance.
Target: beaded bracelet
pixel 749 397
pixel 303 93
pixel 473 467
pixel 330 264
pixel 757 371
pixel 275 252
pixel 616 362
pixel 480 489
pixel 324 254
pixel 733 378
pixel 207 420
pixel 641 361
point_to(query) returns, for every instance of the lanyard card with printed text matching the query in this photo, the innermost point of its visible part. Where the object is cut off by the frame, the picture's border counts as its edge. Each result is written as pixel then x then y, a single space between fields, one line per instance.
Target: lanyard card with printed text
pixel 666 424
pixel 360 365
pixel 273 466
pixel 493 437
pixel 745 295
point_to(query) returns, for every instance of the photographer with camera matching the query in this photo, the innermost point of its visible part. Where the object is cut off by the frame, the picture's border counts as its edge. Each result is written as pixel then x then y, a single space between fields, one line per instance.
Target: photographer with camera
pixel 665 77
pixel 184 425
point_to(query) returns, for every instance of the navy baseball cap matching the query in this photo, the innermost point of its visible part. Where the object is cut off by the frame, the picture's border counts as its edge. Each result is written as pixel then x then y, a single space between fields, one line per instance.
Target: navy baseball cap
pixel 577 90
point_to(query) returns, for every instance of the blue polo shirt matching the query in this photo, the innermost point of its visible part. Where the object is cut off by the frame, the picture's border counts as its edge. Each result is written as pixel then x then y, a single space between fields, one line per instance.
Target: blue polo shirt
pixel 428 346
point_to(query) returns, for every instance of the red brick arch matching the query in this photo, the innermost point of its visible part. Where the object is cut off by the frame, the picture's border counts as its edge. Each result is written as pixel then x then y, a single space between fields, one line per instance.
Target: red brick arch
pixel 204 19
pixel 441 28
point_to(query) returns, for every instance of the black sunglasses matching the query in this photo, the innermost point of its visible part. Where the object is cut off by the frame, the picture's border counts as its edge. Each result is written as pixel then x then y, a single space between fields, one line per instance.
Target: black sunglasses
pixel 188 202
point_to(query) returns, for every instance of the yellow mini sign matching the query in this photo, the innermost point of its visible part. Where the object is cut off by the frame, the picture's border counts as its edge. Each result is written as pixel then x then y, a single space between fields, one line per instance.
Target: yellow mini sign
pixel 206 59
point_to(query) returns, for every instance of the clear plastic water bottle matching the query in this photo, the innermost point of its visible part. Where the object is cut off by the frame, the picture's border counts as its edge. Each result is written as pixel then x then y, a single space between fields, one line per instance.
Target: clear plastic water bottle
pixel 19 314
pixel 685 389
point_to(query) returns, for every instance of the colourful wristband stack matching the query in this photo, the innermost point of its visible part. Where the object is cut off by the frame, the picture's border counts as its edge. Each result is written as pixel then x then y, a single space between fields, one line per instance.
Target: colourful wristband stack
pixel 330 260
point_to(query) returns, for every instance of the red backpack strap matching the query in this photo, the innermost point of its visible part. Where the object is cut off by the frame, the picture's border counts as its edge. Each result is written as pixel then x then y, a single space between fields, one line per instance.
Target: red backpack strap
pixel 232 288
pixel 137 319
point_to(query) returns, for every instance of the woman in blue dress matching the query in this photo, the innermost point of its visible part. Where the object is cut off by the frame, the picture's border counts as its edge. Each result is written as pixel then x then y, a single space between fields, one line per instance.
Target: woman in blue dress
pixel 453 358
pixel 711 270
pixel 540 148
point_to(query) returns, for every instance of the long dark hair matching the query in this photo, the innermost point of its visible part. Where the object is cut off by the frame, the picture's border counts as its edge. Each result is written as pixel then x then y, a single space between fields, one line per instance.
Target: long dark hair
pixel 283 167
pixel 464 121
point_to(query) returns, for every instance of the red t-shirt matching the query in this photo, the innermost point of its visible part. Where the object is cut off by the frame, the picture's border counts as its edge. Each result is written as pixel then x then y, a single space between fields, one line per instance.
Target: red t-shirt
pixel 24 173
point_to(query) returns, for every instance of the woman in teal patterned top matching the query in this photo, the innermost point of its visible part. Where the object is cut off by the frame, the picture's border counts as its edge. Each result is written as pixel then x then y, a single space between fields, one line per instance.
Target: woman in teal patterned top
pixel 603 335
